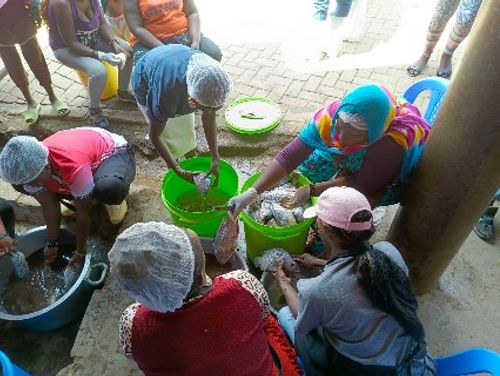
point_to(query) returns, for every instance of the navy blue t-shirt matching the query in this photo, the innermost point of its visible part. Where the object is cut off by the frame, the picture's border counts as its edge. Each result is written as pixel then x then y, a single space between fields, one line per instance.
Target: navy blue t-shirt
pixel 159 81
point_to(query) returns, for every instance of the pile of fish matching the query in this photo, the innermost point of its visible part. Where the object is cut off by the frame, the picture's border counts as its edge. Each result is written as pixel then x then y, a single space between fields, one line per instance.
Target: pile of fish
pixel 267 209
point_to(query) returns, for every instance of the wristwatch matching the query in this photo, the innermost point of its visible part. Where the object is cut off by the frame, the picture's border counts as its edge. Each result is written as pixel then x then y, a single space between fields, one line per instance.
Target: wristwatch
pixel 52 243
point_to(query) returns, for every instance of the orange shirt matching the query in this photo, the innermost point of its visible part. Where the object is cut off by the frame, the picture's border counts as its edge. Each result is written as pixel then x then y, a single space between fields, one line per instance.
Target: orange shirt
pixel 163 18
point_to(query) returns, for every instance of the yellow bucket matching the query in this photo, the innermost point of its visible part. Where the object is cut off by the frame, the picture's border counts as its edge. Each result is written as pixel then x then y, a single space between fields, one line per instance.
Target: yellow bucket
pixel 111 87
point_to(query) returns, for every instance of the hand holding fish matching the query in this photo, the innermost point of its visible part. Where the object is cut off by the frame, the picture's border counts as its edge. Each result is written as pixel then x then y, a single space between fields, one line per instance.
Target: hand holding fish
pixel 186 175
pixel 240 202
pixel 280 275
pixel 302 195
pixel 214 169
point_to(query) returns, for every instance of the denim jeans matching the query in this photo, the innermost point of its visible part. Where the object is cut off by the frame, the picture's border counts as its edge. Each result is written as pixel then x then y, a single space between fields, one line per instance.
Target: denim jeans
pixel 342 9
pixel 206 45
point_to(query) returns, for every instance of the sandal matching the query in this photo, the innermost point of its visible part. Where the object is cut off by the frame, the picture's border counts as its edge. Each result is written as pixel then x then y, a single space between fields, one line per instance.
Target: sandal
pixel 98 119
pixel 31 115
pixel 60 108
pixel 444 73
pixel 414 70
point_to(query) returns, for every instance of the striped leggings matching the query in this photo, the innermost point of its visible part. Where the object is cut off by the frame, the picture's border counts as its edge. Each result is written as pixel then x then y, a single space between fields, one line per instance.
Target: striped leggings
pixel 466 11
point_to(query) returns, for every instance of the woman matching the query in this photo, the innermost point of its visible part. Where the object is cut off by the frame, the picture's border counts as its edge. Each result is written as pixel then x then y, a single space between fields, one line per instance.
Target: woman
pixel 18 28
pixel 81 39
pixel 77 164
pixel 176 80
pixel 369 140
pixel 466 11
pixel 185 324
pixel 113 13
pixel 358 317
pixel 154 23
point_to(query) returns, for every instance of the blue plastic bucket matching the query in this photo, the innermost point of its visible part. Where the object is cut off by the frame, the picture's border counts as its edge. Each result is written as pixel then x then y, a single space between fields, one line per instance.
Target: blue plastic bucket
pixel 9 368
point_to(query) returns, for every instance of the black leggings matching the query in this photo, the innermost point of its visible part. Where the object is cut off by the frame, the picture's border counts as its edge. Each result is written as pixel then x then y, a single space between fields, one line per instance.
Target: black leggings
pixel 8 217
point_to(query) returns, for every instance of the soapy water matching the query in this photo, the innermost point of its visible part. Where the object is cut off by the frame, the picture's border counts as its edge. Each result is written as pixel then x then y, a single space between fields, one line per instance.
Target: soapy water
pixel 195 202
pixel 43 286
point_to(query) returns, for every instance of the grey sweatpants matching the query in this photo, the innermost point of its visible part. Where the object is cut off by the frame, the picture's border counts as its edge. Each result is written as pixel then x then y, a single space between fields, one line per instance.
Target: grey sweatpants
pixel 95 70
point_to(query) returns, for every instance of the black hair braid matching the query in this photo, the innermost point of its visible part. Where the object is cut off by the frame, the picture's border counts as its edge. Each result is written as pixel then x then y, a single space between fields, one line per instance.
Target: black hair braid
pixel 390 290
pixel 383 281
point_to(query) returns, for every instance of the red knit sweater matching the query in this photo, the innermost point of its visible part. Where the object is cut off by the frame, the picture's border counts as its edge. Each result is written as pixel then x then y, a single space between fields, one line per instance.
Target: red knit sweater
pixel 220 334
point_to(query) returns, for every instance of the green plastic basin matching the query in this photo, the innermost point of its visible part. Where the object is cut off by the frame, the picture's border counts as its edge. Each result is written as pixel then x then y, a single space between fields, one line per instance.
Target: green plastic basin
pixel 204 223
pixel 260 238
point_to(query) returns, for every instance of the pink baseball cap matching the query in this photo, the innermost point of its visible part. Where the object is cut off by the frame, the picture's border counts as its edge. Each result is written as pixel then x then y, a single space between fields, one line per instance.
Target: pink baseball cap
pixel 337 205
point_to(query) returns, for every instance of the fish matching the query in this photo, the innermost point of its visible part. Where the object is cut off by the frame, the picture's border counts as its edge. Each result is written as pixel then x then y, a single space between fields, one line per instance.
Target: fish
pixel 282 216
pixel 225 239
pixel 71 274
pixel 268 261
pixel 267 209
pixel 202 182
pixel 20 265
pixel 298 213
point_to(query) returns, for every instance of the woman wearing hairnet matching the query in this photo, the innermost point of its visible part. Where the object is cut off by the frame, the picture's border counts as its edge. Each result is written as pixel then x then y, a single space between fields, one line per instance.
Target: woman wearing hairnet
pixel 78 164
pixel 174 80
pixel 185 324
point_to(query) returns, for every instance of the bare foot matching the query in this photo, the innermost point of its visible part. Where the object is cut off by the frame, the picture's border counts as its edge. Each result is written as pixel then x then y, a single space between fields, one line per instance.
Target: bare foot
pixel 445 66
pixel 417 67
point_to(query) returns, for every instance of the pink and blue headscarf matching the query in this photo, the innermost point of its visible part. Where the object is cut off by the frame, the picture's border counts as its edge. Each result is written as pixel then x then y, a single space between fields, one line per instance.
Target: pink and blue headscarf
pixel 384 115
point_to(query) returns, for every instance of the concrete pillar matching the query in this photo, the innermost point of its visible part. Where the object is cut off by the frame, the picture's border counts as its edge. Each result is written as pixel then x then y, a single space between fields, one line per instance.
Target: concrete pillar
pixel 460 169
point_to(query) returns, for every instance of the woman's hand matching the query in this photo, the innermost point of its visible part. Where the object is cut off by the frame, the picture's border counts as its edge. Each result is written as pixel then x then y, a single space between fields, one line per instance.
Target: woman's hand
pixel 240 202
pixel 7 244
pixel 76 259
pixel 280 275
pixel 124 48
pixel 186 175
pixel 302 195
pixel 309 261
pixel 50 254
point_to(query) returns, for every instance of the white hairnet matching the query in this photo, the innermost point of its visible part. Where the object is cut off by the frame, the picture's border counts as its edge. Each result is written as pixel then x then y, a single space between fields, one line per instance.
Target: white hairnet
pixel 354 120
pixel 154 263
pixel 207 81
pixel 23 159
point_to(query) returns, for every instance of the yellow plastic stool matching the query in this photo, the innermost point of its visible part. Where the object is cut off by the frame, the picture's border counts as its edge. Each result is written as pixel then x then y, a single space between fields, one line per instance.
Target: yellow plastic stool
pixel 111 87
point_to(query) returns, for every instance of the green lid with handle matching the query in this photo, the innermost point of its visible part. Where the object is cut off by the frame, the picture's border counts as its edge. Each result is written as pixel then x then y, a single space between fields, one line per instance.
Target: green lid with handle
pixel 253 115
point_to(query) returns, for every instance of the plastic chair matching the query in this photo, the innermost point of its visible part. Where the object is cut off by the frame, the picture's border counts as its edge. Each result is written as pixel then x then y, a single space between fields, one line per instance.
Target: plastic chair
pixel 437 86
pixel 469 362
pixel 9 368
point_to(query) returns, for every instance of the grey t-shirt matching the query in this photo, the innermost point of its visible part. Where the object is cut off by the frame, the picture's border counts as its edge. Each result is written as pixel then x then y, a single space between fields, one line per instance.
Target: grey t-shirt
pixel 352 325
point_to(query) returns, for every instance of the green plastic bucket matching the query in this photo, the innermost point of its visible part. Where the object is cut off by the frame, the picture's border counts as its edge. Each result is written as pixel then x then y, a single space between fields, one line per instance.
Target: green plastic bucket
pixel 204 223
pixel 260 238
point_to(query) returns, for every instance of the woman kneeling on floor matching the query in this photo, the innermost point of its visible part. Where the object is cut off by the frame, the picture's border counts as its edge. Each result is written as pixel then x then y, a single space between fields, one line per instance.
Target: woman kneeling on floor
pixel 358 317
pixel 77 164
pixel 185 324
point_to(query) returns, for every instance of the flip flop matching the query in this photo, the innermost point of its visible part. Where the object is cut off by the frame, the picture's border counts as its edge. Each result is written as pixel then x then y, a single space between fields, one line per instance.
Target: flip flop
pixel 414 70
pixel 60 108
pixel 31 115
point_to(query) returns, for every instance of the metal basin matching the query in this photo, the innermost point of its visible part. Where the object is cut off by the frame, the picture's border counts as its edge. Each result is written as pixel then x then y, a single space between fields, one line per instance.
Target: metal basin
pixel 72 305
pixel 236 261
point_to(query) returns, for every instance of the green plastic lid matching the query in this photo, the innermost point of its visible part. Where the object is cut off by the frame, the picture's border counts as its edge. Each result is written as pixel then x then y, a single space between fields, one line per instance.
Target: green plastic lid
pixel 253 115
